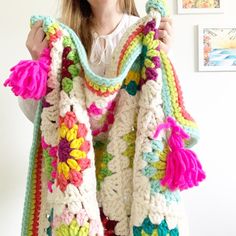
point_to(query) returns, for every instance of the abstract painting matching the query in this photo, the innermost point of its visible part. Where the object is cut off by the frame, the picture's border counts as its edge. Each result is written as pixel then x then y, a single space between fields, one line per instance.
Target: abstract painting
pixel 200 6
pixel 217 48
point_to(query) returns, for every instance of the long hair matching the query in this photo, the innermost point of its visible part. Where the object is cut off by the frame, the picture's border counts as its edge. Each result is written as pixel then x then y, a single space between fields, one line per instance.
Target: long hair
pixel 77 14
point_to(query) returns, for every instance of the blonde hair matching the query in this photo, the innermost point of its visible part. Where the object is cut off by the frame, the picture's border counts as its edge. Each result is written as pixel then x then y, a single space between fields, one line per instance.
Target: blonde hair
pixel 77 14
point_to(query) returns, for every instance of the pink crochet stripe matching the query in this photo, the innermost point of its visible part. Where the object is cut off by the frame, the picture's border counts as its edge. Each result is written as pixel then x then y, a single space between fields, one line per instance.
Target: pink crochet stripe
pixel 109 119
pixel 94 110
pixel 81 218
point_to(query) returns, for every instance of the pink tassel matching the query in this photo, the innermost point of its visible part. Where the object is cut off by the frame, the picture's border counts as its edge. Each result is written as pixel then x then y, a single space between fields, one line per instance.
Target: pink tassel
pixel 183 168
pixel 28 78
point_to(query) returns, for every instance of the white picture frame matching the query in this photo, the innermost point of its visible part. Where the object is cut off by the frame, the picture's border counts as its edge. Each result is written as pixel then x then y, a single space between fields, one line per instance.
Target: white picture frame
pixel 216 48
pixel 191 9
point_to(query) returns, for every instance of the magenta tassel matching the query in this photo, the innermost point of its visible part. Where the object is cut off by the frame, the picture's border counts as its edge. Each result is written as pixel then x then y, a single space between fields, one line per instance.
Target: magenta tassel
pixel 183 169
pixel 28 78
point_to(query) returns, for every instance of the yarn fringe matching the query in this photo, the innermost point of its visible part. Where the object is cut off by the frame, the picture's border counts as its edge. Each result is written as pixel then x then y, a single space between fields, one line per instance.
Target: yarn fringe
pixel 28 78
pixel 183 168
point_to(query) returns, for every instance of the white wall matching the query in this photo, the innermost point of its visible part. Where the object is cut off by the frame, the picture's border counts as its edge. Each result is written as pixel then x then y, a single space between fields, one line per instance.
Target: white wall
pixel 209 98
pixel 16 130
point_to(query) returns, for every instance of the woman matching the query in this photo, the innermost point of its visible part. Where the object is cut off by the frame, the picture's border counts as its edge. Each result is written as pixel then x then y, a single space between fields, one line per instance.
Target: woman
pixel 105 132
pixel 100 25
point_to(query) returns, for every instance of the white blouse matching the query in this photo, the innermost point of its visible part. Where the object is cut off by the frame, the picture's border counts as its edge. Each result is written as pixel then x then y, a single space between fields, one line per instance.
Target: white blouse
pixel 101 52
pixel 104 45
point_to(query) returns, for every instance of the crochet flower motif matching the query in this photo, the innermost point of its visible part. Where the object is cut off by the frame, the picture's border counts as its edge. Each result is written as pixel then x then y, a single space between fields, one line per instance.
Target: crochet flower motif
pixel 72 151
pixel 156 161
pixel 75 224
pixel 150 53
pixel 73 229
pixel 69 216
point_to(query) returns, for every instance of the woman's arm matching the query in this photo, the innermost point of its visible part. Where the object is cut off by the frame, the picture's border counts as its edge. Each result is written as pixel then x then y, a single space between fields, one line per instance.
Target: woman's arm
pixel 28 107
pixel 36 42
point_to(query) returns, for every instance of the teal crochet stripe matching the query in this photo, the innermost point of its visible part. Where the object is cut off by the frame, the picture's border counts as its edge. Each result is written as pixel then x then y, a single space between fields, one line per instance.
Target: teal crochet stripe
pixel 170 196
pixel 137 66
pixel 28 194
pixel 148 228
pixel 153 157
pixel 83 56
pixel 133 57
pixel 159 5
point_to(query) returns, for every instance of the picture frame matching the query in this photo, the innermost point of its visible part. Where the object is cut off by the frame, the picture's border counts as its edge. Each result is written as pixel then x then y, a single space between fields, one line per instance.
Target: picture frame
pixel 200 6
pixel 216 48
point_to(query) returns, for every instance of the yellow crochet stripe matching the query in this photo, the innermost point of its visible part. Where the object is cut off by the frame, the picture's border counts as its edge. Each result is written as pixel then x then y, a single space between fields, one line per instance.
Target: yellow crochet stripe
pixel 52 30
pixel 132 76
pixel 102 88
pixel 73 229
pixel 130 149
pixel 161 164
pixel 174 93
pixel 154 233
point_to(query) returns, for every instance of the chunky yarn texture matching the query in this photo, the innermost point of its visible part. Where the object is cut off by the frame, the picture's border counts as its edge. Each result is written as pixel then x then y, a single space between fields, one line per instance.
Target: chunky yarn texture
pixel 110 154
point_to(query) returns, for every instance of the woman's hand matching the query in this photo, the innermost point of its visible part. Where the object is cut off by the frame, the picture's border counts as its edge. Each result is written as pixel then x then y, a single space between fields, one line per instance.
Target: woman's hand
pixel 166 33
pixel 36 41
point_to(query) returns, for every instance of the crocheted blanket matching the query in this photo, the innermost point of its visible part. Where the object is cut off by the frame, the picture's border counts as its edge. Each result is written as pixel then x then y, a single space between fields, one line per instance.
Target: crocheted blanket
pixel 110 154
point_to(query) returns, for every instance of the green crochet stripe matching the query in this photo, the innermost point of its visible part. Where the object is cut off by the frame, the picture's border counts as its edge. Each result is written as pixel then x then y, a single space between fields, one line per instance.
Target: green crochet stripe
pixel 28 195
pixel 136 51
pixel 168 109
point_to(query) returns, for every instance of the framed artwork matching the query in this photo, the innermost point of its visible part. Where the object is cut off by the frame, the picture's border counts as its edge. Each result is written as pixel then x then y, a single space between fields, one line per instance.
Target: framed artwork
pixel 200 6
pixel 217 48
